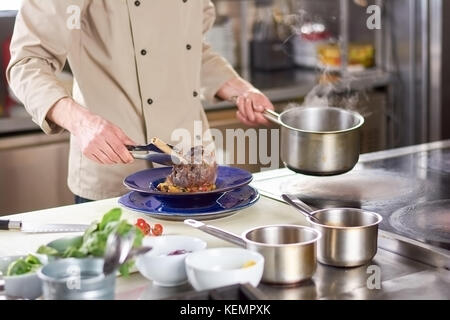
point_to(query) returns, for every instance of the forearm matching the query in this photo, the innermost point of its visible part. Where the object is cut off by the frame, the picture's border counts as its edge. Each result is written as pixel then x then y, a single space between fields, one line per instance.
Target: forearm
pixel 67 114
pixel 234 88
pixel 250 102
pixel 99 139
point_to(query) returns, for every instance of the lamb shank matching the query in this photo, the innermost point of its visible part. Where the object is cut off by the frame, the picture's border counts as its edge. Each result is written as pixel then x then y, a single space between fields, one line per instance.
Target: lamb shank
pixel 197 173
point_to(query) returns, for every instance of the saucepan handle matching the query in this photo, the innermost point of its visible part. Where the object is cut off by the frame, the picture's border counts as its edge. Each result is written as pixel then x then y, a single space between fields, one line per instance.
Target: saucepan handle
pixel 302 207
pixel 216 232
pixel 272 116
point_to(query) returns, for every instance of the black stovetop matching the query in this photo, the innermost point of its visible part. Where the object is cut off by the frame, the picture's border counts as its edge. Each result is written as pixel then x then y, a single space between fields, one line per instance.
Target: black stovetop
pixel 408 190
pixel 422 213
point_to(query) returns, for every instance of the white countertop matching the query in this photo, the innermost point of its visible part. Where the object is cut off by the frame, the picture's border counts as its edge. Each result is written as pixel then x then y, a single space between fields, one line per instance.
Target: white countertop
pixel 264 212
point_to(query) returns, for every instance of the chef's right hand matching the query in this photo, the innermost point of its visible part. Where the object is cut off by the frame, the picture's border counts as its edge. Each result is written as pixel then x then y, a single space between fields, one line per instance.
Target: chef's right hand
pixel 99 139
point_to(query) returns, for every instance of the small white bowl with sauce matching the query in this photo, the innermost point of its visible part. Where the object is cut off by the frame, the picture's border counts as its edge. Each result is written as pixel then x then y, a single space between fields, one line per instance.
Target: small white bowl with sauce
pixel 220 267
pixel 165 263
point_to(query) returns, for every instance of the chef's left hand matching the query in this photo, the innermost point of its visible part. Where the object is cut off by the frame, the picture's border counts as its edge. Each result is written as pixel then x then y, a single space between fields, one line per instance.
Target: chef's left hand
pixel 250 102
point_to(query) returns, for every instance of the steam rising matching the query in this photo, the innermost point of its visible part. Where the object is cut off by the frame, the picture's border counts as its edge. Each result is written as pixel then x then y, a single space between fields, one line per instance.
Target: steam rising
pixel 333 90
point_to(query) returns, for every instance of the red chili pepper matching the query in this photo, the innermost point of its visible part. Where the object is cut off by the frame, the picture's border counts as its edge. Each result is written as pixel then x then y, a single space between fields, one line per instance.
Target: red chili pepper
pixel 157 229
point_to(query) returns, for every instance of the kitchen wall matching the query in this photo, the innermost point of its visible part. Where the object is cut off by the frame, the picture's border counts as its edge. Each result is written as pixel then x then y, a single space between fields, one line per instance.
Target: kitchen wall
pixel 445 103
pixel 420 57
pixel 7 19
pixel 33 166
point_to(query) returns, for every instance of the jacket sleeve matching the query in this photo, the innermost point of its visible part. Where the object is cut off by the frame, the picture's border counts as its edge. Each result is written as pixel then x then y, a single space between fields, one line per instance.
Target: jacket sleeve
pixel 42 36
pixel 215 69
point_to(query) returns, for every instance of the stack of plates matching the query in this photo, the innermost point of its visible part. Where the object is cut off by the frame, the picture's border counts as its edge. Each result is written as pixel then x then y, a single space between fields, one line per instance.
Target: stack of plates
pixel 232 193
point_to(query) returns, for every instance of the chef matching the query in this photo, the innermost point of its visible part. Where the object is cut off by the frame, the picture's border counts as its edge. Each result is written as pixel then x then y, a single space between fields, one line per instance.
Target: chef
pixel 140 70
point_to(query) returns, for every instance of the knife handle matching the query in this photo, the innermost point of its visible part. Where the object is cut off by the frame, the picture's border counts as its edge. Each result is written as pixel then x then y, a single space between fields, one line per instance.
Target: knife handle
pixel 4 224
pixel 10 225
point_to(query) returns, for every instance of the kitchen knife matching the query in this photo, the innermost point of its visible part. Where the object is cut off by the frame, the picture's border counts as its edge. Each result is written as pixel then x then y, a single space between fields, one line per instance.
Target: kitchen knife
pixel 41 228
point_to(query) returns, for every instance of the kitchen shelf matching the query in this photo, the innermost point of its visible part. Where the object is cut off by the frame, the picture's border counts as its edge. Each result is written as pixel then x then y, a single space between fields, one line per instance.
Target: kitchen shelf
pixel 10 126
pixel 19 122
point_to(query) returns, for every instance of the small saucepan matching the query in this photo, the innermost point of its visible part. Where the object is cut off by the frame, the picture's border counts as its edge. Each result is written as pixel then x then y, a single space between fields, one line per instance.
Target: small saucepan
pixel 349 235
pixel 289 251
pixel 319 141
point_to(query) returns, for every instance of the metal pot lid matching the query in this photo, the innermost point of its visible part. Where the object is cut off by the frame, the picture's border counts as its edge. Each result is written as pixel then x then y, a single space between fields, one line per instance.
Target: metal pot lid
pixel 428 222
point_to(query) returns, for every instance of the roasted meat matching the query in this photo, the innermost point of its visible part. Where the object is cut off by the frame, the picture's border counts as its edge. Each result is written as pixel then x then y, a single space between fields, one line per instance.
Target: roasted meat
pixel 198 174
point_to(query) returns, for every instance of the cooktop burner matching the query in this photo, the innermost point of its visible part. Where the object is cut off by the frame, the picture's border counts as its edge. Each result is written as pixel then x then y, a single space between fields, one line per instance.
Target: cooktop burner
pixel 409 187
pixel 428 222
pixel 361 187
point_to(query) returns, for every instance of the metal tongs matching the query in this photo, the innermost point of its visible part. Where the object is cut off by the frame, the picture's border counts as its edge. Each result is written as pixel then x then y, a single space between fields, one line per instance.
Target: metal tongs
pixel 158 151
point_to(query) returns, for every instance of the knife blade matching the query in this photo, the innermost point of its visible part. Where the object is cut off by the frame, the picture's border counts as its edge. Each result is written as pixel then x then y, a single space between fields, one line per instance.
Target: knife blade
pixel 29 227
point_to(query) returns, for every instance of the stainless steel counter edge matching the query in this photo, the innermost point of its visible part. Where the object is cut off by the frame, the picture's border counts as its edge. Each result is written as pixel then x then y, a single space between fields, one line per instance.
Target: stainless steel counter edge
pixel 408 248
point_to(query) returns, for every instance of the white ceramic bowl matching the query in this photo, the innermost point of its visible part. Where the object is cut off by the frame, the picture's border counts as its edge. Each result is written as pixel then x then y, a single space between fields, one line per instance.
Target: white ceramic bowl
pixel 214 268
pixel 26 286
pixel 165 270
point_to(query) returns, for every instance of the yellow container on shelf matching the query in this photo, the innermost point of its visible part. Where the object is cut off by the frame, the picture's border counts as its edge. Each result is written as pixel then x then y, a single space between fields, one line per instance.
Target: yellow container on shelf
pixel 359 55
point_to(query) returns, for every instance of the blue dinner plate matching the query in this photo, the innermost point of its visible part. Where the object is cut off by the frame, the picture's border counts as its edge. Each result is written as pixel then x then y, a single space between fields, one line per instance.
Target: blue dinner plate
pixel 146 181
pixel 179 209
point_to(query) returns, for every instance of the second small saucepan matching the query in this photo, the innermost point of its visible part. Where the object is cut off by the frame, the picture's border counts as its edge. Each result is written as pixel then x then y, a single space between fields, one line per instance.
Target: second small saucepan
pixel 289 251
pixel 349 235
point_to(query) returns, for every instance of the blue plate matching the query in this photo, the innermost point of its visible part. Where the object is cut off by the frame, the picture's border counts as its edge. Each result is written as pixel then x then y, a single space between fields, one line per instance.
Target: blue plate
pixel 168 209
pixel 146 181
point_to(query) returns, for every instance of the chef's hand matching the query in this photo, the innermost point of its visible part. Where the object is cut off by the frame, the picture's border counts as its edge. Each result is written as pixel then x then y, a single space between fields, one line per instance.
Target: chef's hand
pixel 99 139
pixel 250 101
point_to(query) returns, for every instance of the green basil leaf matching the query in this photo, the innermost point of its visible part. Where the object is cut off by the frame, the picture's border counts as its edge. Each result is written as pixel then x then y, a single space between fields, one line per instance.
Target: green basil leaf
pixel 18 267
pixel 138 238
pixel 47 251
pixel 30 259
pixel 112 215
pixel 73 252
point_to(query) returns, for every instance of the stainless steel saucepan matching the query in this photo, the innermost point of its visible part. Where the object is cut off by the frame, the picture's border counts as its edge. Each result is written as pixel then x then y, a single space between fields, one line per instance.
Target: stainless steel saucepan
pixel 349 236
pixel 319 141
pixel 289 251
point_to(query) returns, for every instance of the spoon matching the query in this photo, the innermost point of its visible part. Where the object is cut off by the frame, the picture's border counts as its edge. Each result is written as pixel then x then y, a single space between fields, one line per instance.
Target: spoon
pixel 137 252
pixel 117 250
pixel 300 206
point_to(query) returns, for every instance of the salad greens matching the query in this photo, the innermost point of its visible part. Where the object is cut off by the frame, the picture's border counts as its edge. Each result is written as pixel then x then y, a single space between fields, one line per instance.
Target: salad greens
pixel 29 264
pixel 93 241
